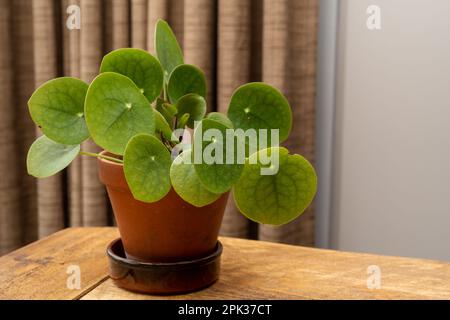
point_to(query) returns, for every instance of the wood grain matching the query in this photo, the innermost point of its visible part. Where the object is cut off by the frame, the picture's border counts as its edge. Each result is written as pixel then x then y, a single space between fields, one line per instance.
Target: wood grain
pixel 38 271
pixel 262 270
pixel 250 270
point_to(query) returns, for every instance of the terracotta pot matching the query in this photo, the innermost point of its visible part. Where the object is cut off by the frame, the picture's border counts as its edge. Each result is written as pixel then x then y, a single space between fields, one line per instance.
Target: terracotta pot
pixel 168 230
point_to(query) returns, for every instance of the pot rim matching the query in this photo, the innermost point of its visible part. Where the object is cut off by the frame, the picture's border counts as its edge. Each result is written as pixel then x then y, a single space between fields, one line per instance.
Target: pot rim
pixel 106 153
pixel 111 173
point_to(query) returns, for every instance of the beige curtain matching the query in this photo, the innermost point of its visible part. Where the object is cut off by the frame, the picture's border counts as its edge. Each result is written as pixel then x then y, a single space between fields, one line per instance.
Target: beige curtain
pixel 233 41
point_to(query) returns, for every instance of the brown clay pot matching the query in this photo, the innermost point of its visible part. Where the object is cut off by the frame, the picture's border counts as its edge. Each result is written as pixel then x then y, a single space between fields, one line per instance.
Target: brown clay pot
pixel 168 230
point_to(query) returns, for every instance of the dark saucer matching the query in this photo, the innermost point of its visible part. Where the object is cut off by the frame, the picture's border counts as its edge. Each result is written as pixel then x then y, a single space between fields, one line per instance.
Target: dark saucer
pixel 162 278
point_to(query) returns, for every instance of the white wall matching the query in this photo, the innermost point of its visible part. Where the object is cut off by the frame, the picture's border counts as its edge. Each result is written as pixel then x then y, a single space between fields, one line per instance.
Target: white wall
pixel 391 164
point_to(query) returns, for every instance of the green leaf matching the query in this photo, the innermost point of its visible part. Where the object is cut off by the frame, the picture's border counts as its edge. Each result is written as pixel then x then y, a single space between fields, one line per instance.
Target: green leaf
pixel 46 157
pixel 138 65
pixel 171 108
pixel 220 117
pixel 57 107
pixel 187 184
pixel 167 48
pixel 194 105
pixel 147 168
pixel 215 174
pixel 260 106
pixel 186 79
pixel 116 110
pixel 161 107
pixel 279 198
pixel 162 126
pixel 183 120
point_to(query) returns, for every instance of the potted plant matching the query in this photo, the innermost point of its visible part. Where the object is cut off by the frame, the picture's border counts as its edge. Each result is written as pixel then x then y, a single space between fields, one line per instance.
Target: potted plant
pixel 167 165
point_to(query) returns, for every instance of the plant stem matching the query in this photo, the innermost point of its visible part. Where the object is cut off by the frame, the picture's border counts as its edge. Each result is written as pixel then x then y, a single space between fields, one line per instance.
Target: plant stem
pixel 165 91
pixel 90 154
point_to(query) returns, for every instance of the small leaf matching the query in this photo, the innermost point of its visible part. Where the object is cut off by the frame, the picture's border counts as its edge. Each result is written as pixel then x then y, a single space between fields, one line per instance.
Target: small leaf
pixel 194 105
pixel 186 79
pixel 58 108
pixel 210 157
pixel 275 199
pixel 187 184
pixel 138 65
pixel 173 111
pixel 147 168
pixel 183 120
pixel 116 110
pixel 161 107
pixel 221 118
pixel 162 126
pixel 167 48
pixel 46 157
pixel 260 106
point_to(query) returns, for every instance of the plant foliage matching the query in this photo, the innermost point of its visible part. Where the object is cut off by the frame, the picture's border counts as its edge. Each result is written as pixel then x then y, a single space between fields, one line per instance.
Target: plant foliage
pixel 132 110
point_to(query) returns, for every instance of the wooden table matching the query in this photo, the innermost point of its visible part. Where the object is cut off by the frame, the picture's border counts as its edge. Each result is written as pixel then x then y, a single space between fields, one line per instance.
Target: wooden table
pixel 250 270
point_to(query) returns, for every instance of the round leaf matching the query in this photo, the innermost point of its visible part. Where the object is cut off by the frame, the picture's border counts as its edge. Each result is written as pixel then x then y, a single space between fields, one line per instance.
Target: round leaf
pixel 58 108
pixel 138 65
pixel 220 117
pixel 147 168
pixel 260 106
pixel 187 184
pixel 167 48
pixel 192 104
pixel 186 79
pixel 217 175
pixel 116 110
pixel 46 157
pixel 279 198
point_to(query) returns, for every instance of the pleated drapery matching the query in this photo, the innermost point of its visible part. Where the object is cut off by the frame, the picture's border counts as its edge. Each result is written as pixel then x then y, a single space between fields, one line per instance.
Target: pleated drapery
pixel 233 41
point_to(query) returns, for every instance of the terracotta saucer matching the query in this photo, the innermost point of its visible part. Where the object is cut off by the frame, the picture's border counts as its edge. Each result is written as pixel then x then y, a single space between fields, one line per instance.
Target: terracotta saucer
pixel 162 278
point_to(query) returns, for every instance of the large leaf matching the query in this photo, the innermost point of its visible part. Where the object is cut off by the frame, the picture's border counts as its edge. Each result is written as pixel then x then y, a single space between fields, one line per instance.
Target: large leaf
pixel 138 65
pixel 191 104
pixel 167 48
pixel 147 168
pixel 279 198
pixel 58 108
pixel 210 157
pixel 260 106
pixel 187 184
pixel 116 110
pixel 46 157
pixel 186 79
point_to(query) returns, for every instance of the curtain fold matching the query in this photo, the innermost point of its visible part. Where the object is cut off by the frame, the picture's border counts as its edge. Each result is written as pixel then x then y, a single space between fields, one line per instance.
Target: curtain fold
pixel 291 68
pixel 71 61
pixel 234 68
pixel 9 191
pixel 93 197
pixel 50 195
pixel 139 24
pixel 232 41
pixel 22 51
pixel 116 24
pixel 18 201
pixel 199 41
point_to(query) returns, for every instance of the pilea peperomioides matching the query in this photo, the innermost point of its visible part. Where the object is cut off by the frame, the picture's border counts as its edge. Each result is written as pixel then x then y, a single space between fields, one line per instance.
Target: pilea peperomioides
pixel 135 108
